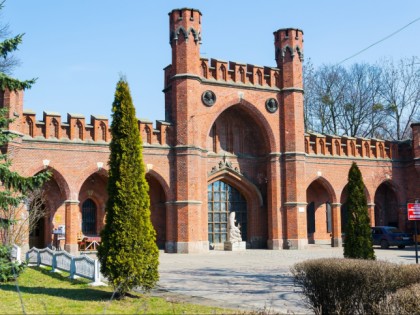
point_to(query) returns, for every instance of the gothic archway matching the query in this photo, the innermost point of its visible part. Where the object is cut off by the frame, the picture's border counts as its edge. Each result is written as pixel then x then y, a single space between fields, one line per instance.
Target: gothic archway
pixel 157 209
pixel 319 212
pixel 386 206
pixel 92 196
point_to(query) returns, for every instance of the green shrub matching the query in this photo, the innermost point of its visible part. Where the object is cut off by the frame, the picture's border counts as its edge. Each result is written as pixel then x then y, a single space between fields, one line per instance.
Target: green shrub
pixel 128 253
pixel 9 269
pixel 405 301
pixel 350 286
pixel 358 242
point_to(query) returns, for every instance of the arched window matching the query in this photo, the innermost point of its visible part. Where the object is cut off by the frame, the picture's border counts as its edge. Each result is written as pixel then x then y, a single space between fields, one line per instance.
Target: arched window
pixel 222 200
pixel 337 148
pixel 204 70
pixel 223 72
pixel 259 76
pixel 89 217
pixel 242 74
pixel 55 127
pixel 30 124
pixel 321 144
pixel 148 135
pixel 103 131
pixel 353 149
pixel 367 149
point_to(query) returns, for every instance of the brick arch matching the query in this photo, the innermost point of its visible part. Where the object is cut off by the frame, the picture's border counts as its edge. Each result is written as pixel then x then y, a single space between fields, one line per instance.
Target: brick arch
pixel 94 187
pixel 163 183
pixel 59 178
pixel 320 197
pixel 326 185
pixel 246 187
pixel 158 192
pixel 263 125
pixel 386 209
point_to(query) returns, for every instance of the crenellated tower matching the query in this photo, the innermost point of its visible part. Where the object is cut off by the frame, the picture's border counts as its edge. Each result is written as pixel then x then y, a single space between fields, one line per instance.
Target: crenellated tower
pixel 184 38
pixel 182 99
pixel 185 33
pixel 288 45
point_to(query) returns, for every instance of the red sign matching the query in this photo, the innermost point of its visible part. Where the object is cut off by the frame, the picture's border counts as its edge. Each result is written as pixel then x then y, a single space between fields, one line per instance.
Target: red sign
pixel 413 211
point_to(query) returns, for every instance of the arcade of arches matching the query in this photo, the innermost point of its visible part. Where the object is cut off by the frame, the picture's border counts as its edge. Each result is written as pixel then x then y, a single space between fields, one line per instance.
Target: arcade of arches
pixel 233 139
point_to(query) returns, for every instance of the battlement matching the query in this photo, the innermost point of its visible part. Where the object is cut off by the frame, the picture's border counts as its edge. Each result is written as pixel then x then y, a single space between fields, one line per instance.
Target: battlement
pixel 77 128
pixel 330 145
pixel 234 73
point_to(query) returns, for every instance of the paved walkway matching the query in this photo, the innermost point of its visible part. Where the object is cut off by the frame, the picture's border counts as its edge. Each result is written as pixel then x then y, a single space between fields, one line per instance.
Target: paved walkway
pixel 251 280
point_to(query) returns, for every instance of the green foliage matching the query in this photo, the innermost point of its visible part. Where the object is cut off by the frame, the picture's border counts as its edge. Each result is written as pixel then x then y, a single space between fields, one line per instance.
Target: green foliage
pixel 9 269
pixel 358 241
pixel 351 286
pixel 9 83
pixel 128 253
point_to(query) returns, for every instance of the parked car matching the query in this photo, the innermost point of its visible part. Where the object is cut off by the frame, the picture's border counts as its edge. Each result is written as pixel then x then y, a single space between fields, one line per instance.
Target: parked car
pixel 386 236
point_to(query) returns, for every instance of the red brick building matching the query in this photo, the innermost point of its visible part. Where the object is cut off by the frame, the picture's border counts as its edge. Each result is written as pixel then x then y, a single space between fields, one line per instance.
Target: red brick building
pixel 233 139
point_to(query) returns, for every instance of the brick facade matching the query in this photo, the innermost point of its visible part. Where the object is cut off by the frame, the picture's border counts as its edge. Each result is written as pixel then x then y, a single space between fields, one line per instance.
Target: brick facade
pixel 228 122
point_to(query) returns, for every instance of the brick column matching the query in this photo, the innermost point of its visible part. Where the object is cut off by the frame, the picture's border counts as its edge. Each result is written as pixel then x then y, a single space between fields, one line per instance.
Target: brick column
pixel 371 212
pixel 296 233
pixel 275 236
pixel 72 225
pixel 336 239
pixel 171 228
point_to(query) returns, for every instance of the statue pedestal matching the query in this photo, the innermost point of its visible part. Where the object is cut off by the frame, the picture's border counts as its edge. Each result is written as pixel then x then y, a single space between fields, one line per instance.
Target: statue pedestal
pixel 235 246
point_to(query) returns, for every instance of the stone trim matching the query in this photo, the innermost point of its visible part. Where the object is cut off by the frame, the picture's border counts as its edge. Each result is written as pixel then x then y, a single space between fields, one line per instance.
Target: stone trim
pixel 184 202
pixel 69 201
pixel 295 203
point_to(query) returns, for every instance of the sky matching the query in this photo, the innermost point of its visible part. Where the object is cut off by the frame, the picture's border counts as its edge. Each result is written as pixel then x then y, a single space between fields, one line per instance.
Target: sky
pixel 79 49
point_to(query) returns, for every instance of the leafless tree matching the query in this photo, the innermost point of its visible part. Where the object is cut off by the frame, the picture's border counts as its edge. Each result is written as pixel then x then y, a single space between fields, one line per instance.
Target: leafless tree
pixel 363 100
pixel 324 92
pixel 401 94
pixel 18 221
pixel 363 114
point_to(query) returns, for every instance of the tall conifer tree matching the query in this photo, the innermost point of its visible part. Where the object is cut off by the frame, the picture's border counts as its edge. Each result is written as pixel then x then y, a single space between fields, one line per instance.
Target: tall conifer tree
pixel 128 253
pixel 358 242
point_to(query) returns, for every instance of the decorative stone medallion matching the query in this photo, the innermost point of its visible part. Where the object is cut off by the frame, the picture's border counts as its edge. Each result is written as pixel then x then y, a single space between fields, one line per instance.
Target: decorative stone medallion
pixel 208 98
pixel 271 105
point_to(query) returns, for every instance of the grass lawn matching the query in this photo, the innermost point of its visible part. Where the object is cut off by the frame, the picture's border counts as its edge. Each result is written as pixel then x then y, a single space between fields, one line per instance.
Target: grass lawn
pixel 44 292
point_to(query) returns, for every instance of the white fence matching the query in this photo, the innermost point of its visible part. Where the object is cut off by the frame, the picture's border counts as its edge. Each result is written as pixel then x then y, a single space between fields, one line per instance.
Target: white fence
pixel 16 252
pixel 81 266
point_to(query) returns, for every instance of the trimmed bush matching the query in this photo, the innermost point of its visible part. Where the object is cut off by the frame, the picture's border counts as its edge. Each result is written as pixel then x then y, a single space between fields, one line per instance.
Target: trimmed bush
pixel 405 301
pixel 358 242
pixel 351 286
pixel 128 253
pixel 9 269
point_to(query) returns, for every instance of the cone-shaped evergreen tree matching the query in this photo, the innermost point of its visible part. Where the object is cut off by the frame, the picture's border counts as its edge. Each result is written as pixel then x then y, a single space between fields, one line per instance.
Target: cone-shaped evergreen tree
pixel 358 242
pixel 128 253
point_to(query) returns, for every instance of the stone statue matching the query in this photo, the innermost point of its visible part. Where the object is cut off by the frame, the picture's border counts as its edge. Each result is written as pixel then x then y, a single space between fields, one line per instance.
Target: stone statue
pixel 234 231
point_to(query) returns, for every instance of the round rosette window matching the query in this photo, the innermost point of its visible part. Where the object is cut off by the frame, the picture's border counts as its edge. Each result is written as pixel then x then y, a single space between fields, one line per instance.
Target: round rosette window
pixel 208 98
pixel 271 105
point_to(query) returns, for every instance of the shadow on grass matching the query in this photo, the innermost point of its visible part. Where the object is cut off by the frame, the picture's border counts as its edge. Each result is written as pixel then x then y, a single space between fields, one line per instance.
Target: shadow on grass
pixel 82 293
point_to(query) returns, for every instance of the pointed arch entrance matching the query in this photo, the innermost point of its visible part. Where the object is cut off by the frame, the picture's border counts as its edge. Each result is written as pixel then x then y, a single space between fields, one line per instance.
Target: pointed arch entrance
pixel 223 199
pixel 50 201
pixel 157 209
pixel 386 206
pixel 319 215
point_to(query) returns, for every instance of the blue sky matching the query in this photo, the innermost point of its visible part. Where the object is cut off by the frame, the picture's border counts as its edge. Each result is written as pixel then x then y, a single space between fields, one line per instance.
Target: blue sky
pixel 78 48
